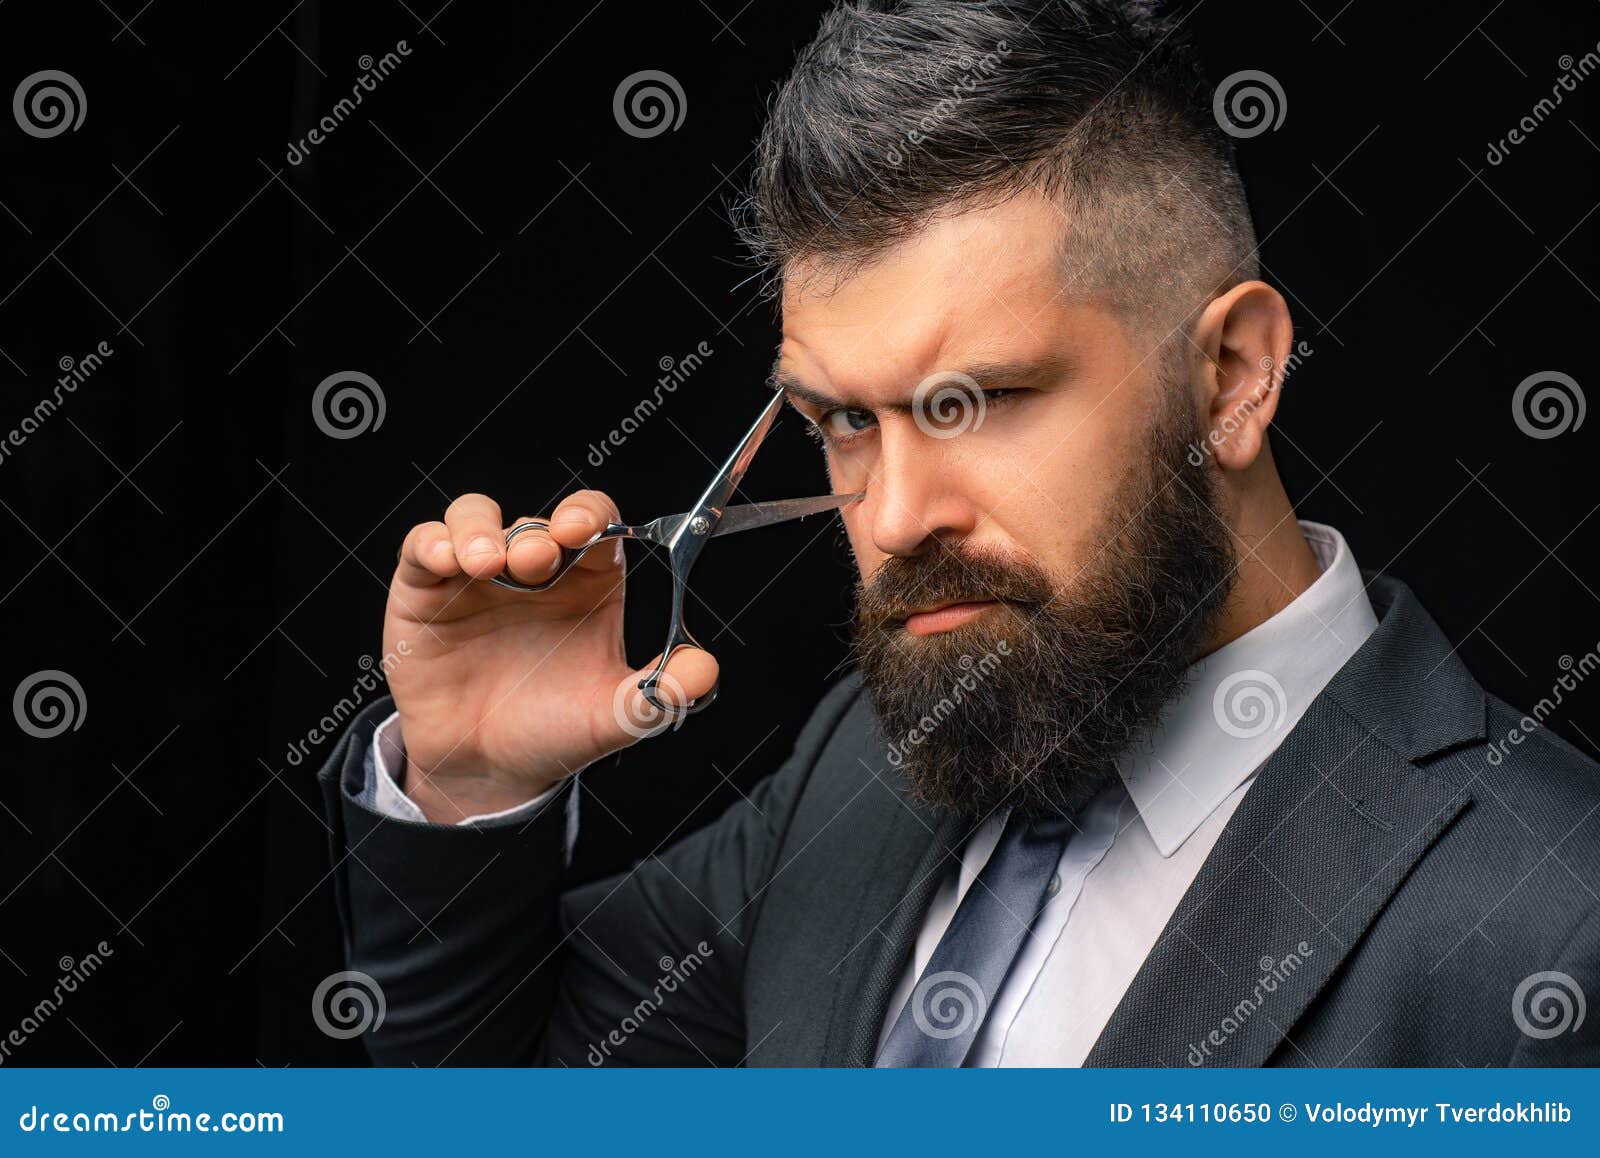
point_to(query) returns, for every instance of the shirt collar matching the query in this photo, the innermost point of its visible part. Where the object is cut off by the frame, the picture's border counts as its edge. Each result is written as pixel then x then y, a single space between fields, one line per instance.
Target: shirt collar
pixel 1243 699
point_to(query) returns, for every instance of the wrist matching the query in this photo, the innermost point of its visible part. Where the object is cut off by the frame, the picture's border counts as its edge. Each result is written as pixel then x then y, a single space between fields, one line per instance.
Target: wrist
pixel 449 798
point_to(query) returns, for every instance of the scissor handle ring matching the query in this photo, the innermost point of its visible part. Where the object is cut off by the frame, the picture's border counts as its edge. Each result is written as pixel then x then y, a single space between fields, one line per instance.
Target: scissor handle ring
pixel 650 685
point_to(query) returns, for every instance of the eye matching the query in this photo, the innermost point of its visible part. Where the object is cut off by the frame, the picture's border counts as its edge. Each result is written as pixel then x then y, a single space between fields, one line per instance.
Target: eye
pixel 843 424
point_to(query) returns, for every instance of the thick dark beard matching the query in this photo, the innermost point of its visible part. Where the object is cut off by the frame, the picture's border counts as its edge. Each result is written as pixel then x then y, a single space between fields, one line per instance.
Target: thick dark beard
pixel 1029 706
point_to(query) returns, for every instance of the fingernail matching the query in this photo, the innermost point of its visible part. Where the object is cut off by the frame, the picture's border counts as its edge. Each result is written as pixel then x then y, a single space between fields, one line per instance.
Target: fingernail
pixel 570 518
pixel 616 552
pixel 480 546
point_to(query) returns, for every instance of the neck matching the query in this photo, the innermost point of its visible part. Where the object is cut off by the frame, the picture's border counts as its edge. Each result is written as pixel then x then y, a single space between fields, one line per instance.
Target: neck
pixel 1276 564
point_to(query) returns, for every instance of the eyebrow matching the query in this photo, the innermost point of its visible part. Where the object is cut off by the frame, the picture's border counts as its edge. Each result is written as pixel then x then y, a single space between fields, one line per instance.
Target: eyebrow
pixel 988 375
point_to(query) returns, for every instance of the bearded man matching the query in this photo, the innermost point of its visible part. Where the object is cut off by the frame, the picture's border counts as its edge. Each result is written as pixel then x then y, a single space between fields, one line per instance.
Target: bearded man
pixel 1135 768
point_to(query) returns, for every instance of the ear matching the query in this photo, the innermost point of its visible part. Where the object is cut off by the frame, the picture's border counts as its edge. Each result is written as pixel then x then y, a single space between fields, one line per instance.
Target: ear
pixel 1245 335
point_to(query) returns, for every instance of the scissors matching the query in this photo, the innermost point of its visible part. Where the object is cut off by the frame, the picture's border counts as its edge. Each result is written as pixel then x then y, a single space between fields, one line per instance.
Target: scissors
pixel 684 536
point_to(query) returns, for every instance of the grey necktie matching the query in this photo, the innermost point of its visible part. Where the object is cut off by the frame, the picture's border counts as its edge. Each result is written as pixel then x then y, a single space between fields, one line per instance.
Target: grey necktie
pixel 942 1016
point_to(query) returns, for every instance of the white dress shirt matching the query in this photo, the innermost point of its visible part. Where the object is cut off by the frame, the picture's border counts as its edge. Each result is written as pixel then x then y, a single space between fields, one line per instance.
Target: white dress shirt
pixel 1142 840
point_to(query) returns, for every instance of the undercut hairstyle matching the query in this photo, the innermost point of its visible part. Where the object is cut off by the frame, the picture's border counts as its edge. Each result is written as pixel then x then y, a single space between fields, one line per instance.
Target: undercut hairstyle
pixel 903 111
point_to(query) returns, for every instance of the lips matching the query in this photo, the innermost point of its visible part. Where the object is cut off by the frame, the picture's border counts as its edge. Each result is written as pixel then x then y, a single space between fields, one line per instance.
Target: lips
pixel 945 616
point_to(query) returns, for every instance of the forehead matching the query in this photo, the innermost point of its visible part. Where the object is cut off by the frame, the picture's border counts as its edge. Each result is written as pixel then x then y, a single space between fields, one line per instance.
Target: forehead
pixel 986 285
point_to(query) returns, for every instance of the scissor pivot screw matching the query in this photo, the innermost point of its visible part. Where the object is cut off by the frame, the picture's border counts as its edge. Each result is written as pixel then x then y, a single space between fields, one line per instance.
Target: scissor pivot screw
pixel 699 524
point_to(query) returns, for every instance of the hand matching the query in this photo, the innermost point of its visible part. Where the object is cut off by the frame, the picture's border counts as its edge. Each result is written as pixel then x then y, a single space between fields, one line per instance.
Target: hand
pixel 503 693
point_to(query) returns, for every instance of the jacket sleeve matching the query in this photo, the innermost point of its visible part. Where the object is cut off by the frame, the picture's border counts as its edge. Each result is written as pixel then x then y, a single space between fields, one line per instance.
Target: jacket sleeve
pixel 482 960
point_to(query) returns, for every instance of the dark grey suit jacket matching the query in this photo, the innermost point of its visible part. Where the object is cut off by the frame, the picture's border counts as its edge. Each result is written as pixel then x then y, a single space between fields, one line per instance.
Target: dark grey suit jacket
pixel 1427 884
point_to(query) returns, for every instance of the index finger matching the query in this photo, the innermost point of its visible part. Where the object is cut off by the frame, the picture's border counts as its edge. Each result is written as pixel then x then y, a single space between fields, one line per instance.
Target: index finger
pixel 474 522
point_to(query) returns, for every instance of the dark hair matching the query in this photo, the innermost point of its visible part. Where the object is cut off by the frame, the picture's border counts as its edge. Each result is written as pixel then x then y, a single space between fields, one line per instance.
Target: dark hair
pixel 902 110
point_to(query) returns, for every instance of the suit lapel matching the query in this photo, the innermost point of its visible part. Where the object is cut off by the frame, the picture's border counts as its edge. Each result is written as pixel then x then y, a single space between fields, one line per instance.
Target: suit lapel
pixel 1332 825
pixel 872 860
pixel 916 848
pixel 1334 822
pixel 894 904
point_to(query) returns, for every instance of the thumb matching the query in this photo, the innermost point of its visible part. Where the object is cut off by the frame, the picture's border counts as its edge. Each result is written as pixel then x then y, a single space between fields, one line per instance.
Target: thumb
pixel 689 675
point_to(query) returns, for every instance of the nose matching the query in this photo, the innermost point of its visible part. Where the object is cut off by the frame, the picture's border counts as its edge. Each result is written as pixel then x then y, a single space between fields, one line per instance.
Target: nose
pixel 916 491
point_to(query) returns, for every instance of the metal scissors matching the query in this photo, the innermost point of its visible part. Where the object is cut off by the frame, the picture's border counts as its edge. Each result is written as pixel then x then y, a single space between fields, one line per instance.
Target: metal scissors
pixel 684 536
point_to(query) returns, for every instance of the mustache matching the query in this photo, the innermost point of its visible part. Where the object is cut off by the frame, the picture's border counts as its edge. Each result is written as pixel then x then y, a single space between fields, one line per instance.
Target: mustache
pixel 945 574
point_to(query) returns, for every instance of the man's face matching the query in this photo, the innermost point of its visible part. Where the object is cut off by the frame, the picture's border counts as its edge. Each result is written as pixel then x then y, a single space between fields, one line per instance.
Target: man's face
pixel 972 294
pixel 1038 564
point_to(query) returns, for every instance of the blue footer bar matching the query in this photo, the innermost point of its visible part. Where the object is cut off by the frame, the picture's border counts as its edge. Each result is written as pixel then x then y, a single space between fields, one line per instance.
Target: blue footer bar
pixel 659 1113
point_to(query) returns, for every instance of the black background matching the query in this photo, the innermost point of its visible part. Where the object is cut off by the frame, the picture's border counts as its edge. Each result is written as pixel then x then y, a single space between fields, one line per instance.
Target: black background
pixel 484 240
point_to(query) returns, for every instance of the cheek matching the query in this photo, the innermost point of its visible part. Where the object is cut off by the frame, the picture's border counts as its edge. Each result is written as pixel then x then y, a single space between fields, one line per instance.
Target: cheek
pixel 849 469
pixel 1050 481
pixel 858 532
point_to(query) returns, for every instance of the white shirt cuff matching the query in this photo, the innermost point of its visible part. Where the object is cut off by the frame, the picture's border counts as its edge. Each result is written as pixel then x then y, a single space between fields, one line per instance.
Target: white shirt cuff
pixel 384 796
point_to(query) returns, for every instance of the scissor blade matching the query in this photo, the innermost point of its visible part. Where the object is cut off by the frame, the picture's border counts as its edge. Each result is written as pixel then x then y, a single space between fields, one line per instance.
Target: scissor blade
pixel 749 515
pixel 726 481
